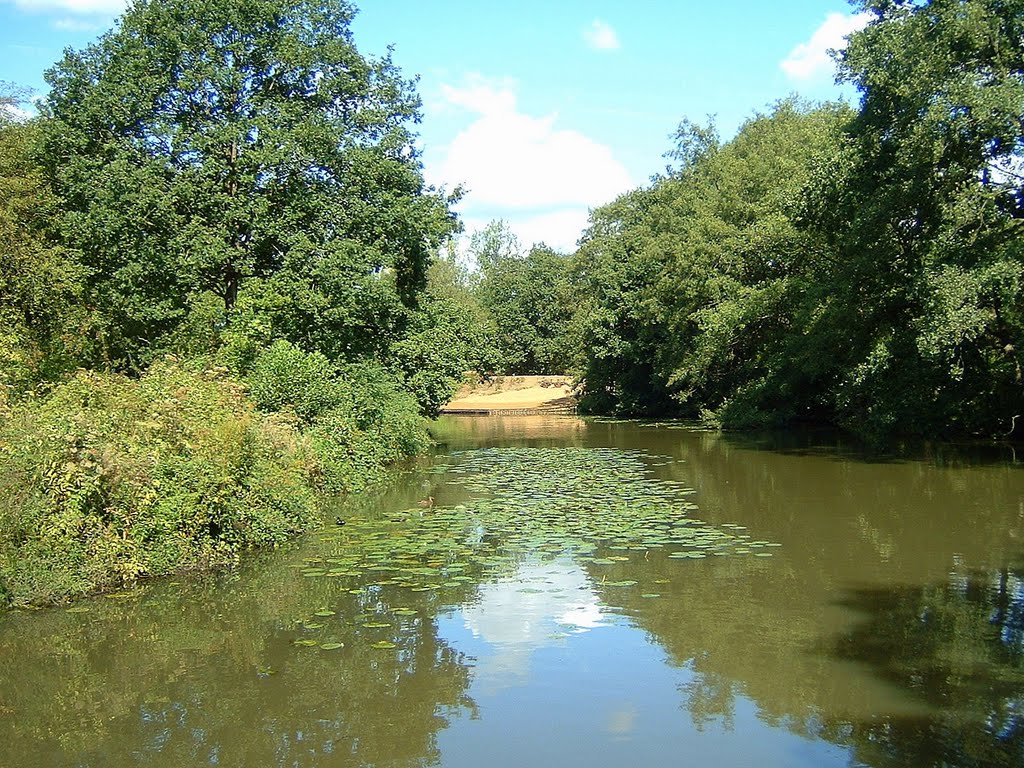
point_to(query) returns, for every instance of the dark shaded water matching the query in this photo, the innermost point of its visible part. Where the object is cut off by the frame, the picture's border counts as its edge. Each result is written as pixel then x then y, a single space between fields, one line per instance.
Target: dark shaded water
pixel 886 630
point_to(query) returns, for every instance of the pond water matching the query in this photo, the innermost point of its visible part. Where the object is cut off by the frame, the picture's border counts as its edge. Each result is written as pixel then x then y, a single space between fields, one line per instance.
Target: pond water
pixel 553 591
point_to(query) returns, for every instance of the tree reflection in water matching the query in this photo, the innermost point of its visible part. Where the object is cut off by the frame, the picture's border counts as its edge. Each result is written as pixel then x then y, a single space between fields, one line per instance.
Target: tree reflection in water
pixel 197 674
pixel 960 647
pixel 911 675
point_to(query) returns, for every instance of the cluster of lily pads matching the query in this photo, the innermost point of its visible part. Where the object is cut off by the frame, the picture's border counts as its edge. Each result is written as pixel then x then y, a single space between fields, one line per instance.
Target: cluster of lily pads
pixel 581 499
pixel 598 505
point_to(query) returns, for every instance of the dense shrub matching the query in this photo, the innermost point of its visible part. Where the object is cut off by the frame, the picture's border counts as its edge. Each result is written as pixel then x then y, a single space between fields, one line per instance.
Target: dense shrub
pixel 109 479
pixel 283 376
pixel 357 417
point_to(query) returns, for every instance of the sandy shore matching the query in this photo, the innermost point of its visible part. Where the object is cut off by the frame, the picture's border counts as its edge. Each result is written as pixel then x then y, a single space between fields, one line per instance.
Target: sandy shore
pixel 512 393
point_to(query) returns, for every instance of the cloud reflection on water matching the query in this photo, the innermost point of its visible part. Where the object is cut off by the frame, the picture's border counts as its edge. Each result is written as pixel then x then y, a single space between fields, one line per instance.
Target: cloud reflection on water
pixel 540 604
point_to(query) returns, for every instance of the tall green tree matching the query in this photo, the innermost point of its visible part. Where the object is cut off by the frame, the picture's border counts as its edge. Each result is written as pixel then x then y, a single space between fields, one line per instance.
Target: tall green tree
pixel 44 329
pixel 219 148
pixel 741 273
pixel 865 268
pixel 926 208
pixel 696 283
pixel 527 296
pixel 493 244
pixel 450 334
pixel 618 321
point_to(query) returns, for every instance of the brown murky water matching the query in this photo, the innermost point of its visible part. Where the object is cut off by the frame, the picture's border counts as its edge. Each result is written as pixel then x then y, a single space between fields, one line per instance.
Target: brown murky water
pixel 886 629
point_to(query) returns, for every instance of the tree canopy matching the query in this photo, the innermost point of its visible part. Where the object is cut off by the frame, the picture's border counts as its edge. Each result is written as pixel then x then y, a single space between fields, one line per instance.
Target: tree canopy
pixel 526 294
pixel 228 174
pixel 859 267
pixel 923 205
pixel 692 284
pixel 232 147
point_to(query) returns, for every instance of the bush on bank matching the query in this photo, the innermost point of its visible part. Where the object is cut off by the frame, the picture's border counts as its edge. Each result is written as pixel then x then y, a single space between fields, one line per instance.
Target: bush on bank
pixel 109 479
pixel 356 416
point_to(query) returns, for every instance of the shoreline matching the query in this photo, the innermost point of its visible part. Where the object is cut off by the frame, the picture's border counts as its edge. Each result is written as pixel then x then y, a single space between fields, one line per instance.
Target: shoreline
pixel 507 395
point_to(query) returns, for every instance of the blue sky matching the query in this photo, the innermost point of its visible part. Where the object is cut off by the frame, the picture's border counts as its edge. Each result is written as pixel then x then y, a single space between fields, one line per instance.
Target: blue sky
pixel 541 109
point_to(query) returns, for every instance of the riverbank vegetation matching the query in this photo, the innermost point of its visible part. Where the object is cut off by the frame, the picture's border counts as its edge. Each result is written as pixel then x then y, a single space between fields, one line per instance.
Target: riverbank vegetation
pixel 857 267
pixel 223 293
pixel 217 243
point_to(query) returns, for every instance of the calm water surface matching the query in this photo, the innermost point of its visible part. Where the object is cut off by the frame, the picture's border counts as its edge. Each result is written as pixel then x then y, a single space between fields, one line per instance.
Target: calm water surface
pixel 886 629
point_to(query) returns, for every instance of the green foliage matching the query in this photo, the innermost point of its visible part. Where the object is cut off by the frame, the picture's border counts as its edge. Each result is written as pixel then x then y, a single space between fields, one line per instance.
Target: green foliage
pixel 109 479
pixel 377 425
pixel 493 244
pixel 693 284
pixel 43 328
pixel 926 208
pixel 861 268
pixel 244 149
pixel 528 298
pixel 230 181
pixel 357 417
pixel 448 335
pixel 452 296
pixel 283 376
pixel 620 334
pixel 434 355
pixel 693 143
pixel 747 269
pixel 340 304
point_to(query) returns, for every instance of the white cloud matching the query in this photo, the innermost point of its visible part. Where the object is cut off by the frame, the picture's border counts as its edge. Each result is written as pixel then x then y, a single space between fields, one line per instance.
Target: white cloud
pixel 540 178
pixel 76 25
pixel 538 606
pixel 509 159
pixel 811 59
pixel 482 95
pixel 559 229
pixel 14 112
pixel 600 36
pixel 82 7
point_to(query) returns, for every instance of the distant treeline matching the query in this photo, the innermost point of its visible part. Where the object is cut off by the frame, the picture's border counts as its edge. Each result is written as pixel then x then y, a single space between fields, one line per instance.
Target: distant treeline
pixel 860 267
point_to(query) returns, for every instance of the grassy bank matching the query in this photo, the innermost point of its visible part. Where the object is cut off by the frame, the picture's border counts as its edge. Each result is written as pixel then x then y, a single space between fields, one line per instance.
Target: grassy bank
pixel 109 479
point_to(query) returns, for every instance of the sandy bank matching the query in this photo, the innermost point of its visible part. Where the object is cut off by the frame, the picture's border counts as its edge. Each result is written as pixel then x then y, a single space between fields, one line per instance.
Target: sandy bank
pixel 505 393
